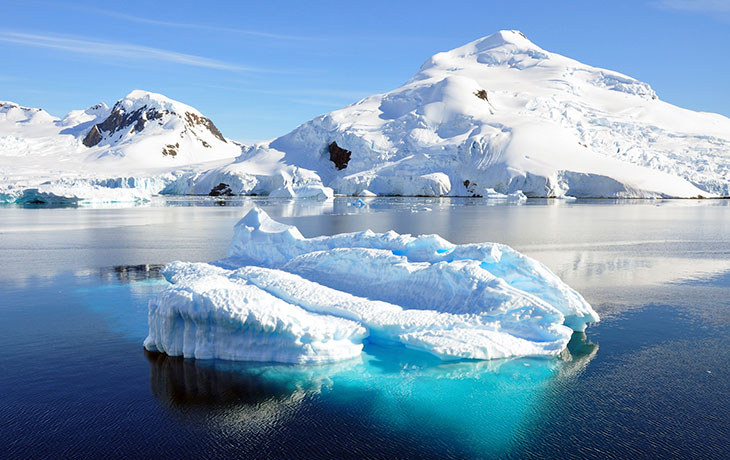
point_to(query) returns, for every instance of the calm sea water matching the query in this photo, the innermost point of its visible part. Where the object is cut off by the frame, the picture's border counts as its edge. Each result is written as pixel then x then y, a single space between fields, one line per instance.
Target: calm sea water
pixel 651 380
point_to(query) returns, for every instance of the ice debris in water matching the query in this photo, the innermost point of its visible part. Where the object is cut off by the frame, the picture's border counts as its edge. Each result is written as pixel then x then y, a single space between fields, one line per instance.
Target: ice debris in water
pixel 359 203
pixel 281 297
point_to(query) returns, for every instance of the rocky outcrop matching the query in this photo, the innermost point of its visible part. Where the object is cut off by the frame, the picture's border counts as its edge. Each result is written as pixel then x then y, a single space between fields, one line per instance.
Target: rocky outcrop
pixel 221 189
pixel 193 119
pixel 482 94
pixel 339 156
pixel 119 120
pixel 93 137
pixel 171 149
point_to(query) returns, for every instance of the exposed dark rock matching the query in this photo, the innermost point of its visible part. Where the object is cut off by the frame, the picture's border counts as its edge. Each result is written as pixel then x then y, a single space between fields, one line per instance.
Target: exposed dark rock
pixel 170 149
pixel 469 185
pixel 93 137
pixel 482 94
pixel 194 119
pixel 221 189
pixel 339 156
pixel 118 120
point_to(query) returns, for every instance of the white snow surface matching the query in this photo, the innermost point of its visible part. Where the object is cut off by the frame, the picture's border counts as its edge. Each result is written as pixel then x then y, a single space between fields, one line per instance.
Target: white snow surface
pixel 281 297
pixel 546 125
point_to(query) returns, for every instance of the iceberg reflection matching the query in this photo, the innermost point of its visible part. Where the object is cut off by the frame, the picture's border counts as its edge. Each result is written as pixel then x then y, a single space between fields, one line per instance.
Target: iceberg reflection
pixel 478 406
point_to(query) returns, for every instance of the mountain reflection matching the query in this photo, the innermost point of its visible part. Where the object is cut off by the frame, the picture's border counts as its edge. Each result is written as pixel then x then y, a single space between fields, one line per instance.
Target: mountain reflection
pixel 130 273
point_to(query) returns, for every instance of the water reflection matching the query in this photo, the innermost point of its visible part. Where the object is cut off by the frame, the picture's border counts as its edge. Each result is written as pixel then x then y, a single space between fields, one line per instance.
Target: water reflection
pixel 177 381
pixel 482 404
pixel 130 273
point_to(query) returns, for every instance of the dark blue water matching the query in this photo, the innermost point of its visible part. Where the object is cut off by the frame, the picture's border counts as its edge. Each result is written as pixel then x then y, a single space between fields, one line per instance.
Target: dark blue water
pixel 651 380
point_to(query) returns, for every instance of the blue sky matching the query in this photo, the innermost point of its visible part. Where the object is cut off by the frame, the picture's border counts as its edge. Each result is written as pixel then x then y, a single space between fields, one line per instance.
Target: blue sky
pixel 259 69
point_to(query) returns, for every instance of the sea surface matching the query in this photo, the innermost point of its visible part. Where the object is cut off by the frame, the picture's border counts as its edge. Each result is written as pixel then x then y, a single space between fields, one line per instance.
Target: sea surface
pixel 651 380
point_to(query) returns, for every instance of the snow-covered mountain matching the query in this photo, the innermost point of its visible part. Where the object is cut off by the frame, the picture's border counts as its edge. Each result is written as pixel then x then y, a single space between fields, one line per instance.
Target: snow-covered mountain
pixel 139 143
pixel 155 130
pixel 500 113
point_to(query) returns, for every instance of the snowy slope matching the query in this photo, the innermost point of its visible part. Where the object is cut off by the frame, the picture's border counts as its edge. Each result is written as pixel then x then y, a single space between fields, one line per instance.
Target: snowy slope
pixel 501 113
pixel 138 143
pixel 282 297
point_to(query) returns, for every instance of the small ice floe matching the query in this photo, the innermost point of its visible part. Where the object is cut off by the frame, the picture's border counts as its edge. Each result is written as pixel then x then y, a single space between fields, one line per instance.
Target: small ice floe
pixel 359 203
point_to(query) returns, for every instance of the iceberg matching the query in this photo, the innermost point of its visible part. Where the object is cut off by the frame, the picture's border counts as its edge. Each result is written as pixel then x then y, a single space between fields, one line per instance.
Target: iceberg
pixel 284 298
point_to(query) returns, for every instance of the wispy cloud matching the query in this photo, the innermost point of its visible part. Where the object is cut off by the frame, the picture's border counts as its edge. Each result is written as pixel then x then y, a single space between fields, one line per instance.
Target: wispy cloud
pixel 184 25
pixel 120 50
pixel 703 6
pixel 344 95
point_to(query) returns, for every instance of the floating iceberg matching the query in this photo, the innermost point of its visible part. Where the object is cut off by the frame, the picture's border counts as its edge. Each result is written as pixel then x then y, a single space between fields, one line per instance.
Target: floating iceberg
pixel 281 297
pixel 74 194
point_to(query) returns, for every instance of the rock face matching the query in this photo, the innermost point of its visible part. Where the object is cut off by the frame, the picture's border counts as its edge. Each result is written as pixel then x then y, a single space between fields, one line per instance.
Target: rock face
pixel 339 156
pixel 197 120
pixel 221 189
pixel 94 136
pixel 121 120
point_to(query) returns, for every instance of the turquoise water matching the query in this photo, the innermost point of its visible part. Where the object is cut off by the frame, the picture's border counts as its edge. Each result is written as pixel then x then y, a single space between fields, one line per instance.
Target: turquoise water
pixel 649 381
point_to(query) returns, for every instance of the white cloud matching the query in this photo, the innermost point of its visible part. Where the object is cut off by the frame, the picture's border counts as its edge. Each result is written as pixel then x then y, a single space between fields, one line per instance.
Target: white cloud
pixel 119 50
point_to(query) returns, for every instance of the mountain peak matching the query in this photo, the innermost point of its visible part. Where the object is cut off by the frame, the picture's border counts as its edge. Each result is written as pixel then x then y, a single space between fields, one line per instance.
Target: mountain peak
pixel 503 37
pixel 509 48
pixel 158 116
pixel 138 99
pixel 504 42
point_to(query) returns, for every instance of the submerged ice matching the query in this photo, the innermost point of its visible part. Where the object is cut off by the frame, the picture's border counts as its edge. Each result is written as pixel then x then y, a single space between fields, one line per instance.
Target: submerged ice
pixel 284 298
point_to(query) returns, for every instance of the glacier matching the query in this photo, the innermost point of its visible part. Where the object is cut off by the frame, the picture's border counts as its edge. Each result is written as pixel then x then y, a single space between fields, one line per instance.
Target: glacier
pixel 280 297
